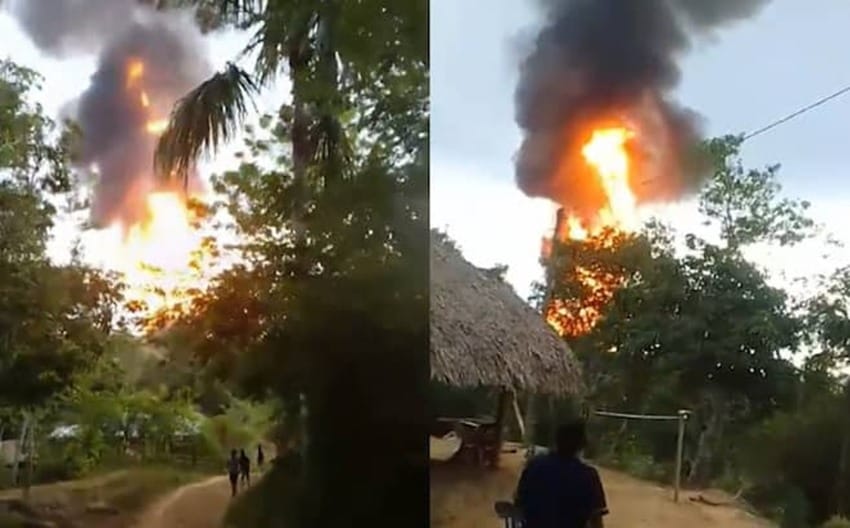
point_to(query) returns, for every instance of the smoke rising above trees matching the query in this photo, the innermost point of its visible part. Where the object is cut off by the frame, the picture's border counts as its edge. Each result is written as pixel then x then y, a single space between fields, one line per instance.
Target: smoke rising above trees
pixel 598 62
pixel 116 149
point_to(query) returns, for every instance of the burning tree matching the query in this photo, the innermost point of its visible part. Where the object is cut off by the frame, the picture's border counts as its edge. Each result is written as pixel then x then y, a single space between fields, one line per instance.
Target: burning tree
pixel 697 326
pixel 602 137
pixel 584 243
pixel 602 134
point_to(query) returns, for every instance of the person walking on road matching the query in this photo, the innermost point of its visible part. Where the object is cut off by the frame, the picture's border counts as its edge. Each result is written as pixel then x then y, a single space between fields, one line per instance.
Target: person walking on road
pixel 261 457
pixel 233 471
pixel 244 468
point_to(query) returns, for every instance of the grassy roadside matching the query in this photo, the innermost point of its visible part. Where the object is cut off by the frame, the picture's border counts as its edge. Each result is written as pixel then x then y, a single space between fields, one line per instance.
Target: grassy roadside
pixel 112 499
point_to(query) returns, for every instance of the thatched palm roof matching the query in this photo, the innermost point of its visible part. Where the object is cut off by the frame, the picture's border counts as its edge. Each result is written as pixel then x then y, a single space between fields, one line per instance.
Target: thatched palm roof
pixel 483 334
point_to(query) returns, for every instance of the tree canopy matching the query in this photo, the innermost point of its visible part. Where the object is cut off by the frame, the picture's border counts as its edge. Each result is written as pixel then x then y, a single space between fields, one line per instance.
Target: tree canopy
pixel 693 323
pixel 53 318
pixel 327 308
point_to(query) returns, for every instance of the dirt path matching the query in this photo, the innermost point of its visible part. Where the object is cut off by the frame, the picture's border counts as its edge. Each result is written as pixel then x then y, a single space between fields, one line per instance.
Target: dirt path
pixel 198 505
pixel 640 504
pixel 464 499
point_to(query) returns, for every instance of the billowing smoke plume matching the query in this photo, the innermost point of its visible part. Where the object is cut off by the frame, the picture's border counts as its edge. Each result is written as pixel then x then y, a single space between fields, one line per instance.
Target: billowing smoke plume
pixel 600 62
pixel 147 61
pixel 69 27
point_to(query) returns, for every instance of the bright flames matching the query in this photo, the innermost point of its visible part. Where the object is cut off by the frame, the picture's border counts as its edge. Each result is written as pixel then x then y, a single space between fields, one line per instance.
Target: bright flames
pixel 606 155
pixel 160 257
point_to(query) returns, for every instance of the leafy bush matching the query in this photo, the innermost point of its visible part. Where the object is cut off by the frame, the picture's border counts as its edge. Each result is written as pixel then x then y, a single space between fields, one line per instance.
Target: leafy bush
pixel 836 522
pixel 778 453
pixel 796 510
pixel 56 470
pixel 63 462
pixel 241 426
pixel 645 467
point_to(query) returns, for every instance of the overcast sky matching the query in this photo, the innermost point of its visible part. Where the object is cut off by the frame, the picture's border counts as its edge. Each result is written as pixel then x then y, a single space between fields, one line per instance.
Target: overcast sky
pixel 64 80
pixel 752 73
pixel 791 54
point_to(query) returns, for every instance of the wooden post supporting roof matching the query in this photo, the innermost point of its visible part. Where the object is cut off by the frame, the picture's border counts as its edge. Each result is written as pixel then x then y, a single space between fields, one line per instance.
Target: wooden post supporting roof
pixel 505 396
pixel 519 419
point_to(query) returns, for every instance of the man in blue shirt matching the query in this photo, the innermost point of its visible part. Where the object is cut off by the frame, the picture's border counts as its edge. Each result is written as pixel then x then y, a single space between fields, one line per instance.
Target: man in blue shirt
pixel 558 490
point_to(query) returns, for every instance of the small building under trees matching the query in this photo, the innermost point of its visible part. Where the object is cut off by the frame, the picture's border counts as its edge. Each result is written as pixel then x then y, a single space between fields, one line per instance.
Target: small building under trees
pixel 484 335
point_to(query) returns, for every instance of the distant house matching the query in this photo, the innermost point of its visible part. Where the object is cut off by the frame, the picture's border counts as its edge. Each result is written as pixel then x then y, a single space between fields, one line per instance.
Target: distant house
pixel 8 451
pixel 64 432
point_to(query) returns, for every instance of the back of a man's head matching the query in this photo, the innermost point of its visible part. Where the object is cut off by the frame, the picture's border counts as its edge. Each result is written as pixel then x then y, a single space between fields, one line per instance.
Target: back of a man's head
pixel 570 438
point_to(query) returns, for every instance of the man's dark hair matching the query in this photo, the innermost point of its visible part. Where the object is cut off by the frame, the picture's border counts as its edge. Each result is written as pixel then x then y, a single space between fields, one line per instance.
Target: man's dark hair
pixel 570 438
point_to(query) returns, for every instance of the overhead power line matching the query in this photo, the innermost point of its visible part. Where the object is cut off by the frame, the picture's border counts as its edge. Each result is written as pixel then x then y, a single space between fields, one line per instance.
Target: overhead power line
pixel 797 113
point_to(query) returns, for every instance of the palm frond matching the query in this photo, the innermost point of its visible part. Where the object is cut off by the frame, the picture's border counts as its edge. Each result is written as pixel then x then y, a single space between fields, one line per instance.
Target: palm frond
pixel 213 14
pixel 241 12
pixel 271 50
pixel 206 117
pixel 281 35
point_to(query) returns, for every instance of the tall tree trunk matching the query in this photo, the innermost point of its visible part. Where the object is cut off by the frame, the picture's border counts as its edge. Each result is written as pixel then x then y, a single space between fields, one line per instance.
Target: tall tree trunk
pixel 16 463
pixel 298 58
pixel 716 409
pixel 841 481
pixel 30 458
pixel 841 484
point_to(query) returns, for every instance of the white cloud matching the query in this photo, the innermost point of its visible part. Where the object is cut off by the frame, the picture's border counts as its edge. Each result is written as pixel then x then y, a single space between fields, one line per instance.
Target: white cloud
pixel 491 220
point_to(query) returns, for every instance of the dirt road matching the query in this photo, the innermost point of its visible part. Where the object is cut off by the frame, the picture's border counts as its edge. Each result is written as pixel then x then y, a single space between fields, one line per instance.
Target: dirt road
pixel 640 504
pixel 198 505
pixel 464 499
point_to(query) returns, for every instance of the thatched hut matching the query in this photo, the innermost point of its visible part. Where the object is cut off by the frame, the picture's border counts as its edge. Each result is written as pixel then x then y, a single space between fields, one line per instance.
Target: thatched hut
pixel 484 334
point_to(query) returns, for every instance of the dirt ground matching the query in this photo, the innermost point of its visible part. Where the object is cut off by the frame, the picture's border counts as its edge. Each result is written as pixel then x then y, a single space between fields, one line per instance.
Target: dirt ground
pixel 198 505
pixel 112 500
pixel 463 498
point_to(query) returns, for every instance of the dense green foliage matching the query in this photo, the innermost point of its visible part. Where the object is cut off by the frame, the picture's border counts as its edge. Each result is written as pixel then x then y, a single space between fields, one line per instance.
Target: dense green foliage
pixel 77 390
pixel 696 324
pixel 53 319
pixel 325 315
pixel 327 309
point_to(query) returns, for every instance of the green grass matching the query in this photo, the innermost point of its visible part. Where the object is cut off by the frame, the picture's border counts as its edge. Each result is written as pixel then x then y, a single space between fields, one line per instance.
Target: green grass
pixel 12 520
pixel 129 491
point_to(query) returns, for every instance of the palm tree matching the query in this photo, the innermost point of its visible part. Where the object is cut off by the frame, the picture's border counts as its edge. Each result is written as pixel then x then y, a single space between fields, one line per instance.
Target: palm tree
pixel 333 52
pixel 325 46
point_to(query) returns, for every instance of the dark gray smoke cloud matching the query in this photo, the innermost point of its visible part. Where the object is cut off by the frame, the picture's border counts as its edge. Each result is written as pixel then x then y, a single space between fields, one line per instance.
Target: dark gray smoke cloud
pixel 66 27
pixel 116 146
pixel 596 62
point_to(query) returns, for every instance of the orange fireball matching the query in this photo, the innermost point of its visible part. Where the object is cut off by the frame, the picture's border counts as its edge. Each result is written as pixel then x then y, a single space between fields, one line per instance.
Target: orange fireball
pixel 160 256
pixel 606 155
